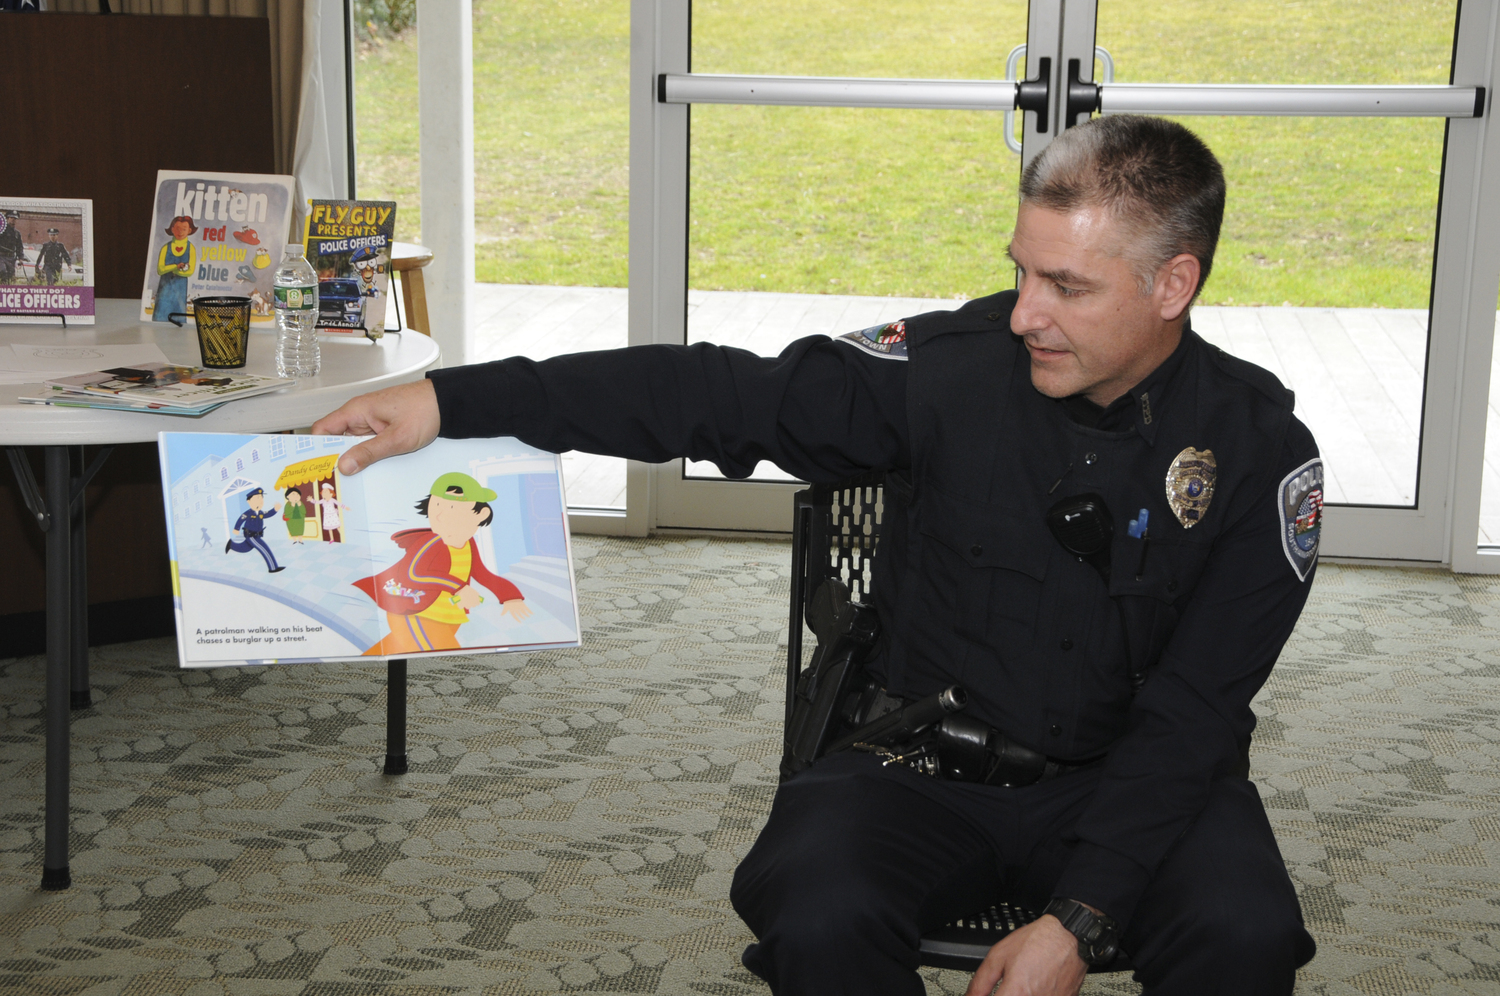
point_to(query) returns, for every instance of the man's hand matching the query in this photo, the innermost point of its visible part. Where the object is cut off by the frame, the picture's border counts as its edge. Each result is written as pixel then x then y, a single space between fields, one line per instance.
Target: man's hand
pixel 1040 959
pixel 466 597
pixel 401 418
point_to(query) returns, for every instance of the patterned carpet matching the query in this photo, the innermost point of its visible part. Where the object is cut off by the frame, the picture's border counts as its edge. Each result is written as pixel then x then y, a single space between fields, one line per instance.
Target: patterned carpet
pixel 572 818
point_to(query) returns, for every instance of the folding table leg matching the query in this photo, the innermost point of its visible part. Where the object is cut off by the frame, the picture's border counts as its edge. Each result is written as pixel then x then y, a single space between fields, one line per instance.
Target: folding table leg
pixel 395 717
pixel 80 697
pixel 58 488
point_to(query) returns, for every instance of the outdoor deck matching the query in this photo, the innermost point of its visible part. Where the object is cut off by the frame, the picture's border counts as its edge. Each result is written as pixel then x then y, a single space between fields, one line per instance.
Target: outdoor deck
pixel 1357 372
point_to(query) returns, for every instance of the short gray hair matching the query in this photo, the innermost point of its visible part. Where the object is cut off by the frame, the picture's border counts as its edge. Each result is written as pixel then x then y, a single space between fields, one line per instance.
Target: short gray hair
pixel 1154 175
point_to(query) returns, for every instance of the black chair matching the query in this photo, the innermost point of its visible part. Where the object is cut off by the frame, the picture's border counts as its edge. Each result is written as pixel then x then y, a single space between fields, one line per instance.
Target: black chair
pixel 835 535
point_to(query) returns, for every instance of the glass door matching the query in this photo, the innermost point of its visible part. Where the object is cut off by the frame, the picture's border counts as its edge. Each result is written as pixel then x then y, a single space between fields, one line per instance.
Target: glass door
pixel 1352 138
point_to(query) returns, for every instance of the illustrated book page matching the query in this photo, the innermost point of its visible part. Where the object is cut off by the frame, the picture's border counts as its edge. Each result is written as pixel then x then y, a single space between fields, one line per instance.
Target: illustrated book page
pixel 215 234
pixel 460 547
pixel 46 260
pixel 168 384
pixel 349 245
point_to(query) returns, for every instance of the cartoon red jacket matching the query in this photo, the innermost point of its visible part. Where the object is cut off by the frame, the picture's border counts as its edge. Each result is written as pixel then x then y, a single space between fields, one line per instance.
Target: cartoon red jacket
pixel 423 574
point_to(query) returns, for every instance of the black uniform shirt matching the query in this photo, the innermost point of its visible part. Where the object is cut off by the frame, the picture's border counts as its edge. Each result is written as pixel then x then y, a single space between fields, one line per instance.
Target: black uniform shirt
pixel 11 245
pixel 52 256
pixel 826 409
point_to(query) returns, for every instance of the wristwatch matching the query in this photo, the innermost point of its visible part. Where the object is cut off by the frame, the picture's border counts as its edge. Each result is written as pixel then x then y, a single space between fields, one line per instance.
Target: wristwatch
pixel 1098 935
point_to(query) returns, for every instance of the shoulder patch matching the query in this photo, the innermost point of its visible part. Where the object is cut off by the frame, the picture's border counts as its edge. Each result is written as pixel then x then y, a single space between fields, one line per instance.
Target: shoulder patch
pixel 1299 503
pixel 886 341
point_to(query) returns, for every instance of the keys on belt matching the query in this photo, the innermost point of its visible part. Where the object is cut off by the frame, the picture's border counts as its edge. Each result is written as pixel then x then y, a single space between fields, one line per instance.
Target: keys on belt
pixel 966 749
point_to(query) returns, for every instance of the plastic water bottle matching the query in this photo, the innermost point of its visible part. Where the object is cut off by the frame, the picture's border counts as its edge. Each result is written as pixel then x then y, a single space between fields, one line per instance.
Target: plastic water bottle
pixel 296 291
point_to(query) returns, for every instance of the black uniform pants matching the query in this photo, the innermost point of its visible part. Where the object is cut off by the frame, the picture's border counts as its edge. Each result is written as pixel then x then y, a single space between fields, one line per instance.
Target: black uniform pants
pixel 857 861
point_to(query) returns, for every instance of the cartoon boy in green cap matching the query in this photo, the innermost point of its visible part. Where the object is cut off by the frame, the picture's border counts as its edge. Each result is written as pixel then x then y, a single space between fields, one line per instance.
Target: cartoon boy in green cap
pixel 427 595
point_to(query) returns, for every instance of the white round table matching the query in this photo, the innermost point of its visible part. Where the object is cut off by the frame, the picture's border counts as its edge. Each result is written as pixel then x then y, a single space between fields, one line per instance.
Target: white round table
pixel 350 367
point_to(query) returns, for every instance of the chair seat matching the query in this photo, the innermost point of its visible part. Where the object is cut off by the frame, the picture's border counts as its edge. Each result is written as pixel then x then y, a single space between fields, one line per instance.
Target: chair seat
pixel 963 943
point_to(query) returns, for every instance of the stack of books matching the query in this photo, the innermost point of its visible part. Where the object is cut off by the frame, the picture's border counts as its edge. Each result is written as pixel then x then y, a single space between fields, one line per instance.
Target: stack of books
pixel 164 389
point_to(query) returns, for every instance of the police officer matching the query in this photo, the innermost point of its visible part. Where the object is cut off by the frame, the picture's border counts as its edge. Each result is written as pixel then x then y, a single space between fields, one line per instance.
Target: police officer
pixel 252 526
pixel 12 248
pixel 1127 668
pixel 52 257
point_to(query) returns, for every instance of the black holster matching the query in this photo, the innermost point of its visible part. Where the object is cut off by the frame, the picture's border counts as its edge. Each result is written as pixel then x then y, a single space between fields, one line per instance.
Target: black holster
pixel 846 633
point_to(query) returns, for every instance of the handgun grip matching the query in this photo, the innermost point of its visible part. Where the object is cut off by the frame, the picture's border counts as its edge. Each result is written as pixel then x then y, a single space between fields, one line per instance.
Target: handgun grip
pixel 905 722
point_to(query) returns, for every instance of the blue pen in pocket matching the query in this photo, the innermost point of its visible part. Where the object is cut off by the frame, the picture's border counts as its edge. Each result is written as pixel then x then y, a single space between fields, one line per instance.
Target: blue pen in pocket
pixel 1137 529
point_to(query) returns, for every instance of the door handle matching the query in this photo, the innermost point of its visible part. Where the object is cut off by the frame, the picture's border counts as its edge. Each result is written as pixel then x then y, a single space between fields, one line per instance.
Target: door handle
pixel 1035 91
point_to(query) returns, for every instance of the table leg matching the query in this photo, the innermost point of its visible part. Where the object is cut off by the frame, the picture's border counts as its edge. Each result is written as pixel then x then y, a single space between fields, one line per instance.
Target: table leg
pixel 58 486
pixel 395 717
pixel 80 697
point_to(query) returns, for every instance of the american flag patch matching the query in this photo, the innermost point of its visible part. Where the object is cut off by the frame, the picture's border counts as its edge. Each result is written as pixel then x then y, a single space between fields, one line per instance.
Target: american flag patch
pixel 887 341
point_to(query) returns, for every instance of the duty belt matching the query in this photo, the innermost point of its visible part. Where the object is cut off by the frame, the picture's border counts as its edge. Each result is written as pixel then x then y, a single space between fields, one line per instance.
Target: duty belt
pixel 966 749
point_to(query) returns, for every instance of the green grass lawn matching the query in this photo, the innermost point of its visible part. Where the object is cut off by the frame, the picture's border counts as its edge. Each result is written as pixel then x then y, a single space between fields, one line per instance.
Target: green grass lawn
pixel 1334 212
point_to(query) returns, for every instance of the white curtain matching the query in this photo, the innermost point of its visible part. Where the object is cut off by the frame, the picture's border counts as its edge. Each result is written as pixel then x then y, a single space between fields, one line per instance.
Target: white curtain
pixel 318 159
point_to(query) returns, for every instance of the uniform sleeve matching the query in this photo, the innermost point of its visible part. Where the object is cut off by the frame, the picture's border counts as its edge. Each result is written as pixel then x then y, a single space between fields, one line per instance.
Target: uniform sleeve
pixel 1192 719
pixel 822 410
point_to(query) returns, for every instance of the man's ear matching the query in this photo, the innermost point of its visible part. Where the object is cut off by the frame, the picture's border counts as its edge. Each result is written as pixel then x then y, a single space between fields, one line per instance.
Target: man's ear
pixel 1176 283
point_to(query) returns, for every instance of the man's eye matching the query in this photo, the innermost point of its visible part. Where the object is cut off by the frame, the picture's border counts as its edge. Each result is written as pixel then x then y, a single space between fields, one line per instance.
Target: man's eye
pixel 1068 291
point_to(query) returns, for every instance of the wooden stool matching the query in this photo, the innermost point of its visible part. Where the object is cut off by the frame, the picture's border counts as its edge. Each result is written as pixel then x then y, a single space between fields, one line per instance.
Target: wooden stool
pixel 407 259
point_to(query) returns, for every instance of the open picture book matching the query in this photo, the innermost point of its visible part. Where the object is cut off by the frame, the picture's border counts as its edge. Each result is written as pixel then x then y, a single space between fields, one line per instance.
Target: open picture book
pixel 460 547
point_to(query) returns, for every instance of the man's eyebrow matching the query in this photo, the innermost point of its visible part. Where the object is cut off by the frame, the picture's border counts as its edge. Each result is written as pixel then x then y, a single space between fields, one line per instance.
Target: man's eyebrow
pixel 1067 278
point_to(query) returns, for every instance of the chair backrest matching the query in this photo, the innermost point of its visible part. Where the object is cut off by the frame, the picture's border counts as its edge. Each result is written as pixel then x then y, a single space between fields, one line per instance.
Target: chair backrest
pixel 835 532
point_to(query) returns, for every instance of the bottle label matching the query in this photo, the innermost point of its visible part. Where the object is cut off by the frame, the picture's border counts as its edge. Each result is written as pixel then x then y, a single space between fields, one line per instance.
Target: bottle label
pixel 296 298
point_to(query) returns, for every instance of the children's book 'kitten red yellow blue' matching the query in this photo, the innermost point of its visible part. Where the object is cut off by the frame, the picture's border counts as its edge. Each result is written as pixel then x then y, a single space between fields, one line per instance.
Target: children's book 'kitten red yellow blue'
pixel 215 234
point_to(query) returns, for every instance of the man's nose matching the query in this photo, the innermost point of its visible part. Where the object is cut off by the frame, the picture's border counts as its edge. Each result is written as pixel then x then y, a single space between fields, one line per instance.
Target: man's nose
pixel 1028 314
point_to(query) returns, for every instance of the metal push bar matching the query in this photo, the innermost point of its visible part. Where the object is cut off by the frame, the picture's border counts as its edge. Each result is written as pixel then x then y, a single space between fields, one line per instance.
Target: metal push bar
pixel 836 91
pixel 1306 100
pixel 1310 100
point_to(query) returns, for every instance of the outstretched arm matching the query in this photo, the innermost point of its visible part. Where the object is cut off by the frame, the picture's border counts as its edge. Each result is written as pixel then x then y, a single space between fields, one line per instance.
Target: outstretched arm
pixel 821 410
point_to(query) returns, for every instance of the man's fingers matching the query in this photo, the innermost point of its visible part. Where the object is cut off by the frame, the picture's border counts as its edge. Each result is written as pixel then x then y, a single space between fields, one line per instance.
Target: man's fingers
pixel 349 419
pixel 984 981
pixel 396 439
pixel 403 418
pixel 357 458
pixel 988 976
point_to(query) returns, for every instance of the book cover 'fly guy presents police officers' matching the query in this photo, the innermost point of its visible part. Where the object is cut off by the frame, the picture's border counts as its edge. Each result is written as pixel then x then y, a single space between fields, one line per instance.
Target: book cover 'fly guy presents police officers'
pixel 277 558
pixel 46 260
pixel 215 234
pixel 349 244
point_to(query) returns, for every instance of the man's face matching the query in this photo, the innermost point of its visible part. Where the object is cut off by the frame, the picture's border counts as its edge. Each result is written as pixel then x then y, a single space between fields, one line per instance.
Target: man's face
pixel 255 502
pixel 455 521
pixel 1087 326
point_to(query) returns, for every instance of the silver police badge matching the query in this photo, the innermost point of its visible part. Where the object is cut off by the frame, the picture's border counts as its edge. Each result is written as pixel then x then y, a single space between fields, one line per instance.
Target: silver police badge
pixel 1190 485
pixel 1299 501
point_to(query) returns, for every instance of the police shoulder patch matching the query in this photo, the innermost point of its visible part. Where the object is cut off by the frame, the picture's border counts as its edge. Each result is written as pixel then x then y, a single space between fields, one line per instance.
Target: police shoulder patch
pixel 1299 502
pixel 886 341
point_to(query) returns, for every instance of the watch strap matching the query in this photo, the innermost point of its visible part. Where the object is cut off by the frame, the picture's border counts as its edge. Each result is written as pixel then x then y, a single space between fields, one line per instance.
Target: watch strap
pixel 1098 935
